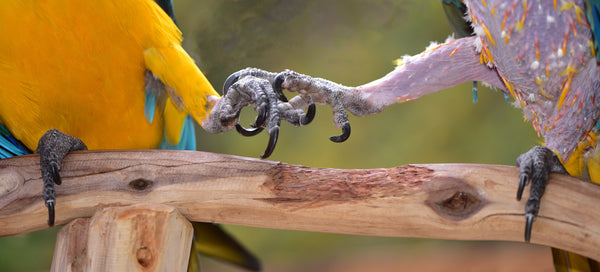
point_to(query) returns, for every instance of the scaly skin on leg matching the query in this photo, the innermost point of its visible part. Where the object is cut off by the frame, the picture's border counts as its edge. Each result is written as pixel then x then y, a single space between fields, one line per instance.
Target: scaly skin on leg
pixel 535 166
pixel 238 94
pixel 53 147
pixel 446 65
pixel 253 86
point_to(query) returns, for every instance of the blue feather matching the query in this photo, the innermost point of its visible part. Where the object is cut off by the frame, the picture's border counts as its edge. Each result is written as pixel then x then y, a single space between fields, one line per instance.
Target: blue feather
pixel 150 106
pixel 188 137
pixel 593 16
pixel 9 146
pixel 458 3
pixel 475 92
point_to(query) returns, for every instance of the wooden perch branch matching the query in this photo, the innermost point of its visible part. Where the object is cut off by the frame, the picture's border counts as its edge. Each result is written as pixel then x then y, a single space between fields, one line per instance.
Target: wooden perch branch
pixel 447 201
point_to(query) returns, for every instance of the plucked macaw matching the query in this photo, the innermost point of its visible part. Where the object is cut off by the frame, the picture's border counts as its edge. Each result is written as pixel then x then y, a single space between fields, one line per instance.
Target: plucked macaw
pixel 543 54
pixel 108 74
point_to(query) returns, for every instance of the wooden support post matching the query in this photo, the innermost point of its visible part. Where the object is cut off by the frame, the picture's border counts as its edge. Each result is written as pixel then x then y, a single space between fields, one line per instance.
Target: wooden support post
pixel 143 237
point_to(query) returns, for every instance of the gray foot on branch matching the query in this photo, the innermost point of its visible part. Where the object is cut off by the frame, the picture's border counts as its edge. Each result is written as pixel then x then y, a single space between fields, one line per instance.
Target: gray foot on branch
pixel 53 147
pixel 534 167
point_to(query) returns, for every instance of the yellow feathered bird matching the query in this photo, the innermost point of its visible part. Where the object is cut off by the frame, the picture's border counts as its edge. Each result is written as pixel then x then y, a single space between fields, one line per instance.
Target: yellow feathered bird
pixel 111 73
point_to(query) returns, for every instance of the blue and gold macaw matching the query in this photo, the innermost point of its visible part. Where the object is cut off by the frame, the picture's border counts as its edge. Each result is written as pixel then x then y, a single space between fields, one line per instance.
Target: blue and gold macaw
pixel 544 54
pixel 107 74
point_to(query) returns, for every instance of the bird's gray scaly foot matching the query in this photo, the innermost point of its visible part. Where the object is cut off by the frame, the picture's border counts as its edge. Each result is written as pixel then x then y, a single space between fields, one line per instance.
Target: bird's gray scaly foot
pixel 53 147
pixel 299 110
pixel 534 167
pixel 255 86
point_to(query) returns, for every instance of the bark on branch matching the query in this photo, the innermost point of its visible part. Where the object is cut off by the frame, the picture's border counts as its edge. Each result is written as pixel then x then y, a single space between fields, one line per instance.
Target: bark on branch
pixel 447 201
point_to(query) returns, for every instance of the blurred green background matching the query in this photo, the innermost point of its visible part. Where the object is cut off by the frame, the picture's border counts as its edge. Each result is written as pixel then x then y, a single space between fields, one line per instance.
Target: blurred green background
pixel 351 42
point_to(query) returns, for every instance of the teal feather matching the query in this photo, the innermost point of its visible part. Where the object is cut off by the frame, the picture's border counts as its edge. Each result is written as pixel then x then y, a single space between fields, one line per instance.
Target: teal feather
pixel 455 11
pixel 156 96
pixel 187 140
pixel 475 92
pixel 593 16
pixel 155 87
pixel 150 106
pixel 457 3
pixel 9 146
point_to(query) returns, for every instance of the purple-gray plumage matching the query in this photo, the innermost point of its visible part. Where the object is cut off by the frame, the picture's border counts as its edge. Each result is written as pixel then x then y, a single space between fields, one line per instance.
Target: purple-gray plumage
pixel 541 53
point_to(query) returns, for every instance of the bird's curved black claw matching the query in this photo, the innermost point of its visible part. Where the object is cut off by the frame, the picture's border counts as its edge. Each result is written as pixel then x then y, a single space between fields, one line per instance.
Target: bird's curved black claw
pixel 273 135
pixel 310 115
pixel 529 218
pixel 523 181
pixel 50 205
pixel 277 87
pixel 264 90
pixel 248 132
pixel 233 78
pixel 53 171
pixel 342 137
pixel 262 116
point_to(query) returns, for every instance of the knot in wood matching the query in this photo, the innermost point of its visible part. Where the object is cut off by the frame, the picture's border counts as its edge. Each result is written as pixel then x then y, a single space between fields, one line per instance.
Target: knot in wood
pixel 140 184
pixel 459 203
pixel 11 181
pixel 453 199
pixel 144 256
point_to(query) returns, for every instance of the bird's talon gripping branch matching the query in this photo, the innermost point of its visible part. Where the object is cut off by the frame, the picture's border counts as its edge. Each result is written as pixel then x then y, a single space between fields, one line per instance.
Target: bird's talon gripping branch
pixel 53 147
pixel 523 181
pixel 529 218
pixel 535 167
pixel 50 206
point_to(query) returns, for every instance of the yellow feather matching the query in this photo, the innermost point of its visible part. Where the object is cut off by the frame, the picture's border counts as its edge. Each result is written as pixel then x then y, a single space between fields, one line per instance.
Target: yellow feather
pixel 583 162
pixel 575 165
pixel 173 122
pixel 176 69
pixel 565 261
pixel 78 66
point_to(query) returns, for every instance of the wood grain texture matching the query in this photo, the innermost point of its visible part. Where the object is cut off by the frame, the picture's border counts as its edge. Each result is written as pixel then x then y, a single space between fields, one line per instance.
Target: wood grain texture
pixel 142 237
pixel 447 201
